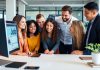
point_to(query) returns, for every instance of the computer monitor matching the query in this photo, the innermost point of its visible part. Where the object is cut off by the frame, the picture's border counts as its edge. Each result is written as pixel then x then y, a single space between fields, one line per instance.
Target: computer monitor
pixel 8 37
pixel 53 16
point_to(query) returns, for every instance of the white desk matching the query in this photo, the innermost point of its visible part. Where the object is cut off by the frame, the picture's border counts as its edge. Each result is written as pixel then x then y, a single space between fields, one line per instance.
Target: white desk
pixel 51 62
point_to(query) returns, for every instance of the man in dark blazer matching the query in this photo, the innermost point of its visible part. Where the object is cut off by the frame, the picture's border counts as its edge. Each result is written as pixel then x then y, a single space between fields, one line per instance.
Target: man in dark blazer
pixel 93 30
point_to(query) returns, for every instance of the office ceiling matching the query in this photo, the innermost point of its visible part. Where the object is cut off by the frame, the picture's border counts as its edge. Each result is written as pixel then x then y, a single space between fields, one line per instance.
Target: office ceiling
pixel 30 4
pixel 56 2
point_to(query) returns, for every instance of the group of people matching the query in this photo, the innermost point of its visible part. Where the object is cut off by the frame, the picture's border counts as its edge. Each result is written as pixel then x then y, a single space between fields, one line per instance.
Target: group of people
pixel 63 35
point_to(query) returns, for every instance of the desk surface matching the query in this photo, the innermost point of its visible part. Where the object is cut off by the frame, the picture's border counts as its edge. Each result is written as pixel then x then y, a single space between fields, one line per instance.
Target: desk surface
pixel 51 62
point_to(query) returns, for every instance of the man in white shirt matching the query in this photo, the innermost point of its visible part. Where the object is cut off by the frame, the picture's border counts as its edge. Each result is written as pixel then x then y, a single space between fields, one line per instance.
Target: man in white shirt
pixel 64 23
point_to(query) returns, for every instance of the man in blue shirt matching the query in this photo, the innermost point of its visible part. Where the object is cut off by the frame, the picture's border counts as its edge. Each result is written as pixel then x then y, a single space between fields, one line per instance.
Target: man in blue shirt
pixel 64 23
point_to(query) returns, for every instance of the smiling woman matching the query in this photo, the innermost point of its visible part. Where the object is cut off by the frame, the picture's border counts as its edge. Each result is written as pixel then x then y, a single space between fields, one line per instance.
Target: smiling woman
pixel 77 31
pixel 21 24
pixel 50 37
pixel 33 37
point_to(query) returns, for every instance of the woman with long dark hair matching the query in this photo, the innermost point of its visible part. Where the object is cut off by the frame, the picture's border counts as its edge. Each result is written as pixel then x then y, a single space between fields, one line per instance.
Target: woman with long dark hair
pixel 50 38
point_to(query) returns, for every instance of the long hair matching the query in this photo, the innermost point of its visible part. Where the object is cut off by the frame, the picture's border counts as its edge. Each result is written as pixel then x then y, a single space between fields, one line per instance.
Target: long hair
pixel 17 19
pixel 54 32
pixel 29 22
pixel 77 34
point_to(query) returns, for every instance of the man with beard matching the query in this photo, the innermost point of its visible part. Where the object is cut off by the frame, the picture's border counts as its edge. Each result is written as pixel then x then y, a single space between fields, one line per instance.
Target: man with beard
pixel 64 23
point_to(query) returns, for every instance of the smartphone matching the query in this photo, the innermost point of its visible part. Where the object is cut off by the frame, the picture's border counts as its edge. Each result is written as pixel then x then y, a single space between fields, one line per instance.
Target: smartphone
pixel 32 67
pixel 36 55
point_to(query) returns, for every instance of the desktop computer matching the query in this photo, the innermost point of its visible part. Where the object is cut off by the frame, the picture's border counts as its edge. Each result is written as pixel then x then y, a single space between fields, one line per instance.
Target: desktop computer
pixel 9 42
pixel 8 37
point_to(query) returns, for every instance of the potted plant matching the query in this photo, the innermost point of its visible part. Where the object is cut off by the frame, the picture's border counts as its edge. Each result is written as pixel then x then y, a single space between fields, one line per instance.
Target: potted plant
pixel 95 49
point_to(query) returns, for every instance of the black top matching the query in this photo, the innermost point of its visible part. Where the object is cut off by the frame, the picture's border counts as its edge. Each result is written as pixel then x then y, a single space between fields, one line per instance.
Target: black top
pixel 94 36
pixel 48 44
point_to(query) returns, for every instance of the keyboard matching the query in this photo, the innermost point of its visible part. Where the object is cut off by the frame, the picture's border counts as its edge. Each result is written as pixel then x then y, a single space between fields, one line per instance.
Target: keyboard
pixel 15 64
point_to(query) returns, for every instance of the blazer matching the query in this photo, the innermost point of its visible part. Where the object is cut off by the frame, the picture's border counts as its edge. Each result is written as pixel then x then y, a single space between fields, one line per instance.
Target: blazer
pixel 94 36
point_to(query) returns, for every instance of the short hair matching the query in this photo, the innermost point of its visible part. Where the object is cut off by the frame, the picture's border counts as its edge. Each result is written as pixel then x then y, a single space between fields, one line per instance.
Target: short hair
pixel 67 8
pixel 38 16
pixel 92 6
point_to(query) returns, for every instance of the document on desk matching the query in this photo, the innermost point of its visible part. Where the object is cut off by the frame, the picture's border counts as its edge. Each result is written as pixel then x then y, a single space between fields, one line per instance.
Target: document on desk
pixel 85 58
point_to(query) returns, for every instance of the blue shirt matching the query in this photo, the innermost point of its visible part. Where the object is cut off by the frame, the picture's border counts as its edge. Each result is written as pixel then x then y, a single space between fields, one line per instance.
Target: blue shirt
pixel 64 27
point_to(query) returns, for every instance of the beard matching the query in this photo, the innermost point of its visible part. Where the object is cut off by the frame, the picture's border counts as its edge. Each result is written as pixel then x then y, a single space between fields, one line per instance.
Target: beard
pixel 65 19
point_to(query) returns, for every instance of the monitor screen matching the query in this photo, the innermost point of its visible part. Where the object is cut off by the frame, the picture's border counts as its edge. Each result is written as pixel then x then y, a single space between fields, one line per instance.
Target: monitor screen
pixel 8 37
pixel 12 36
